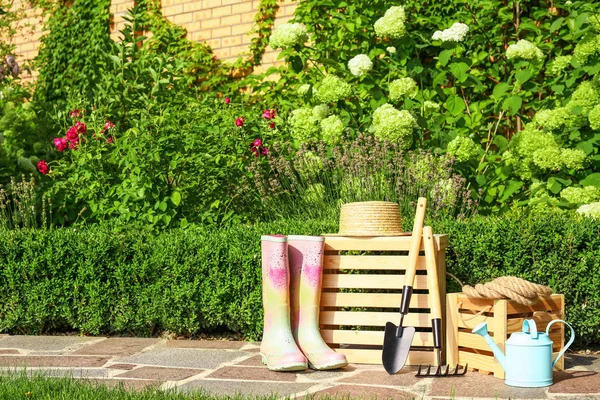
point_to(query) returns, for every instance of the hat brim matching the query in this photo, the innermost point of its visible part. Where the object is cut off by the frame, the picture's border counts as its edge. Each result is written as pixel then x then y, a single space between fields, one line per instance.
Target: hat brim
pixel 368 234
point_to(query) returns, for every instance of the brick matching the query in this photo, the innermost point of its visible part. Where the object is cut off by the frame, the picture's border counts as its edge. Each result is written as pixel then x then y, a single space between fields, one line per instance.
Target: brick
pixel 281 21
pixel 123 7
pixel 127 383
pixel 231 20
pixel 126 367
pixel 571 381
pixel 241 29
pixel 202 15
pixel 243 7
pixel 246 39
pixel 221 11
pixel 9 351
pixel 221 32
pixel 222 52
pixel 117 346
pixel 254 361
pixel 161 374
pixel 172 10
pixel 235 52
pixel 252 374
pixel 236 2
pixel 200 36
pixel 404 378
pixel 214 43
pixel 193 27
pixel 230 41
pixel 211 23
pixel 478 385
pixel 211 3
pixel 192 6
pixel 361 392
pixel 248 17
pixel 182 18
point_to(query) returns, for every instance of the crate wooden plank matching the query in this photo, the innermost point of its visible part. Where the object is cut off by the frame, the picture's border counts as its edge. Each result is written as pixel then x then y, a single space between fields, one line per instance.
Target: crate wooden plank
pixel 370 281
pixel 500 333
pixel 367 318
pixel 452 329
pixel 374 338
pixel 542 319
pixel 479 361
pixel 475 341
pixel 385 300
pixel 380 243
pixel 554 303
pixel 361 356
pixel 370 262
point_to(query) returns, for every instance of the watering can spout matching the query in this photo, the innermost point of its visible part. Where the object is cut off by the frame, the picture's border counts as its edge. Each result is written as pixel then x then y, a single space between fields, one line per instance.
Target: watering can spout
pixel 482 330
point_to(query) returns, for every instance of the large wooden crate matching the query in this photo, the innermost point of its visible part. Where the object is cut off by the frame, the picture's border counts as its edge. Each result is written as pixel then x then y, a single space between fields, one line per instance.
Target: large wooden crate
pixel 363 292
pixel 503 317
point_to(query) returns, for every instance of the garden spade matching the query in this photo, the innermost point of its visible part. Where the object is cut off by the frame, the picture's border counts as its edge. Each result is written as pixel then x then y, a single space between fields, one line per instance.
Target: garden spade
pixel 398 339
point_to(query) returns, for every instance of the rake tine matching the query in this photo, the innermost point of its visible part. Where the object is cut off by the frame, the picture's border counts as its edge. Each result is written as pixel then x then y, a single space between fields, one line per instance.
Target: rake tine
pixel 465 370
pixel 419 372
pixel 428 370
pixel 438 371
pixel 447 370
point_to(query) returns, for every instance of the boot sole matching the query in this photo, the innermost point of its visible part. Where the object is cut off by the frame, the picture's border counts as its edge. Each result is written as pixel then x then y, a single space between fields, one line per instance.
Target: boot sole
pixel 325 367
pixel 295 366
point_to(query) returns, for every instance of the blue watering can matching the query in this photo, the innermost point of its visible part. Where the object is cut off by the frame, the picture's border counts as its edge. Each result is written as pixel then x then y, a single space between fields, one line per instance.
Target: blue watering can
pixel 528 361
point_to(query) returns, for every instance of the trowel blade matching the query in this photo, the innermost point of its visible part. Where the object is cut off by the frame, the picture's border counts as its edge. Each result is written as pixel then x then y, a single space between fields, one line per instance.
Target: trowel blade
pixel 395 349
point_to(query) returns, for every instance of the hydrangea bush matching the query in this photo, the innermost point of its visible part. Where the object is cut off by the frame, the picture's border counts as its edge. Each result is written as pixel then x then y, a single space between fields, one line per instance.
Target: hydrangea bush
pixel 508 89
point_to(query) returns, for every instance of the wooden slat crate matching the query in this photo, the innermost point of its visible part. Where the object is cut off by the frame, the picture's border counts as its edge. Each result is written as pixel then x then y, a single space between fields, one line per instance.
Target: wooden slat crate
pixel 503 317
pixel 373 283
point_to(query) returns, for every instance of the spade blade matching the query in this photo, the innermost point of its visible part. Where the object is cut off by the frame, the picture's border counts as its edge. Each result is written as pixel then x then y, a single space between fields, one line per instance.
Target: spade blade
pixel 395 349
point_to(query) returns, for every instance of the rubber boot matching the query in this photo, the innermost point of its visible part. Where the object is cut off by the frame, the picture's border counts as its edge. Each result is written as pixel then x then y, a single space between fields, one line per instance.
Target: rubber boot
pixel 306 269
pixel 278 348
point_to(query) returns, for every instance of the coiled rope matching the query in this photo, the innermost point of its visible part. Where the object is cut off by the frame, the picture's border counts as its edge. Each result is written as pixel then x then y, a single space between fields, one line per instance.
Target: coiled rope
pixel 509 287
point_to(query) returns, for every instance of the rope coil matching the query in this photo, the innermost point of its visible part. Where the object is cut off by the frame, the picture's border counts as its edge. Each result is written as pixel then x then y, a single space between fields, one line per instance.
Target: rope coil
pixel 509 287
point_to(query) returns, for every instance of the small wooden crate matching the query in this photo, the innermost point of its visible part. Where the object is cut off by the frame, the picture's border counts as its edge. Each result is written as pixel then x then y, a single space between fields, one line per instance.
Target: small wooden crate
pixel 373 282
pixel 503 317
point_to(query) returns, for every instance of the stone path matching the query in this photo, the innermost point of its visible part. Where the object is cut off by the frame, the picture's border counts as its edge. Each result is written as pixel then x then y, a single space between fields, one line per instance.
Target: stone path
pixel 227 368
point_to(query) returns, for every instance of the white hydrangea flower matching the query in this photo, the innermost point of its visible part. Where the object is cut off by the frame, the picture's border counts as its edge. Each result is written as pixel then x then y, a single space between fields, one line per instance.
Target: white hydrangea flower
pixel 524 50
pixel 392 24
pixel 403 87
pixel 288 35
pixel 393 125
pixel 303 89
pixel 456 33
pixel 391 50
pixel 360 65
pixel 590 210
pixel 320 111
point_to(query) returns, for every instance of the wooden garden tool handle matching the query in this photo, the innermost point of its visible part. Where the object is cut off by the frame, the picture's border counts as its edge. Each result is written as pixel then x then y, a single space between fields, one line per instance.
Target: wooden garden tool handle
pixel 433 286
pixel 415 243
pixel 433 283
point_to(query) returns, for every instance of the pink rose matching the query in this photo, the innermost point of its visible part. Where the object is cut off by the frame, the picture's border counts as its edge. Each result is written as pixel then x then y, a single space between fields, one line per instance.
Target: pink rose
pixel 61 144
pixel 42 167
pixel 72 134
pixel 109 140
pixel 272 125
pixel 239 121
pixel 269 114
pixel 75 114
pixel 264 151
pixel 80 127
pixel 257 142
pixel 227 100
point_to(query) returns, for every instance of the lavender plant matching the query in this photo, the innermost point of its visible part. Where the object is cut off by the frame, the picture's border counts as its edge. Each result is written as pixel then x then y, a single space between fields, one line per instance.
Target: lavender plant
pixel 315 180
pixel 19 206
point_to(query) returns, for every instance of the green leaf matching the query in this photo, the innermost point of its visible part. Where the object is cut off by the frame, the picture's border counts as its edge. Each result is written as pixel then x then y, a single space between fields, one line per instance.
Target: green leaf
pixel 556 24
pixel 587 147
pixel 523 75
pixel 554 185
pixel 444 57
pixel 513 104
pixel 499 90
pixel 459 70
pixel 176 198
pixel 511 188
pixel 455 105
pixel 297 64
pixel 591 180
pixel 163 206
pixel 501 142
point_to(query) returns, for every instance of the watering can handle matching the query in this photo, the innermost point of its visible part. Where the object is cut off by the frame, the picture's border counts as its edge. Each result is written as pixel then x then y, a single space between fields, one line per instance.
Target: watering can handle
pixel 531 328
pixel 562 352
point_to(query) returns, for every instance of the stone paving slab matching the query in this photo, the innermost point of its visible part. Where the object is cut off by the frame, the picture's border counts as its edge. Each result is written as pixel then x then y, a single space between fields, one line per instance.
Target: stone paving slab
pixel 589 363
pixel 403 378
pixel 117 347
pixel 231 388
pixel 121 366
pixel 126 383
pixel 583 382
pixel 205 344
pixel 55 372
pixel 363 392
pixel 252 374
pixel 44 343
pixel 185 358
pixel 160 373
pixel 254 361
pixel 52 361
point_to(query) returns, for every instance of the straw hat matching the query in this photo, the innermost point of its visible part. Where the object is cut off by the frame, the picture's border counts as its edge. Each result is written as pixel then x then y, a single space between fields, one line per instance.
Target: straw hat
pixel 370 218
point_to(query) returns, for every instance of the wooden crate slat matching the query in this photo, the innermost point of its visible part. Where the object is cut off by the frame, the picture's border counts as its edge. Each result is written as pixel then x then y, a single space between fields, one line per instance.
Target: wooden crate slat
pixel 542 319
pixel 391 243
pixel 479 361
pixel 361 356
pixel 386 300
pixel 370 262
pixel 475 341
pixel 367 318
pixel 374 338
pixel 370 281
pixel 554 303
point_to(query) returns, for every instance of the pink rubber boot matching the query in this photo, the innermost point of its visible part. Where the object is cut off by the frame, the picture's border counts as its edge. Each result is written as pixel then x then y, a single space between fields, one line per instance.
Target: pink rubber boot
pixel 278 348
pixel 306 269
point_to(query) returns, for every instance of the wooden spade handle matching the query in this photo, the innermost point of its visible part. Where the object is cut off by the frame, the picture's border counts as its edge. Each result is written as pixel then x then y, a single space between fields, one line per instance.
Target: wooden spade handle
pixel 432 273
pixel 415 243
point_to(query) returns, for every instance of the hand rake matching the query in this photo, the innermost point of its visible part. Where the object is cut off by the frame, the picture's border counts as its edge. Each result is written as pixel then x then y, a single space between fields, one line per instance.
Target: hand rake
pixel 436 311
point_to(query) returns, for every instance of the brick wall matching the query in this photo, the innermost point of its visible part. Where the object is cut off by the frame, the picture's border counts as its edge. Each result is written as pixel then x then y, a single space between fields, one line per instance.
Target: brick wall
pixel 223 24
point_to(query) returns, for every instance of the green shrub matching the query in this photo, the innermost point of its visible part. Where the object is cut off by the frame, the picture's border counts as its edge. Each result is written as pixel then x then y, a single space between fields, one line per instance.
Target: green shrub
pixel 109 280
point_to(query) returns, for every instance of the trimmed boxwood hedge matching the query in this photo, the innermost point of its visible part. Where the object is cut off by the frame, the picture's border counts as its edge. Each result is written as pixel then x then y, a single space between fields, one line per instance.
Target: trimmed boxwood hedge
pixel 114 280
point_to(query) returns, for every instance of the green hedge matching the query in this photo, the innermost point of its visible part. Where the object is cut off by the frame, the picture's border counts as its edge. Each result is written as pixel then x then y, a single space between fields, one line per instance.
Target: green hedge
pixel 100 280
